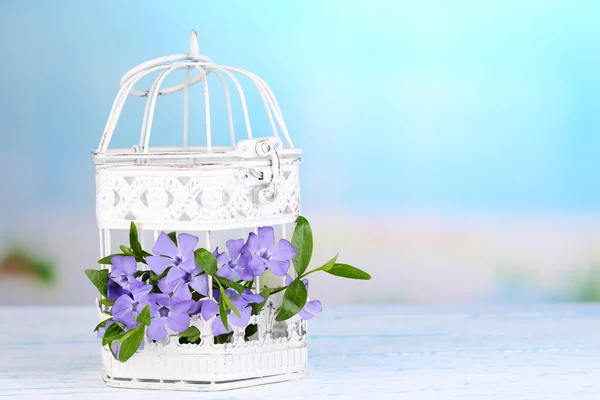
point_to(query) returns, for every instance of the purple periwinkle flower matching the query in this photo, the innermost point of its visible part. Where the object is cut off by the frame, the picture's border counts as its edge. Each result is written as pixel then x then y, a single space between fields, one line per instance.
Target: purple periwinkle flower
pixel 184 272
pixel 122 270
pixel 210 308
pixel 128 306
pixel 114 291
pixel 311 307
pixel 167 312
pixel 266 254
pixel 234 263
pixel 166 254
pixel 102 330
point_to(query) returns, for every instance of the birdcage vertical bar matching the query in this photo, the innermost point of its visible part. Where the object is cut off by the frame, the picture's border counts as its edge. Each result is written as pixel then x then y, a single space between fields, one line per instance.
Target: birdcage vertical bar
pixel 210 279
pixel 185 108
pixel 257 279
pixel 284 236
pixel 104 243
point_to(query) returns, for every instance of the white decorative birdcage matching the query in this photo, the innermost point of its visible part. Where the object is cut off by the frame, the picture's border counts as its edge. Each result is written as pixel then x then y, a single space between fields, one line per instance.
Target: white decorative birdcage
pixel 202 189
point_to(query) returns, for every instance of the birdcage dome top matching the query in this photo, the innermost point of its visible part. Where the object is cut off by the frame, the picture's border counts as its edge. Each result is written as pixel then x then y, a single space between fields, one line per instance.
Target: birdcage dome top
pixel 244 144
pixel 251 182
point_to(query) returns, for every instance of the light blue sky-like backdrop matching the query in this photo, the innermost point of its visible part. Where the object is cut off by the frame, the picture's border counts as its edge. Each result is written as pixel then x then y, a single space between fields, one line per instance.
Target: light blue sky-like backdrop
pixel 431 107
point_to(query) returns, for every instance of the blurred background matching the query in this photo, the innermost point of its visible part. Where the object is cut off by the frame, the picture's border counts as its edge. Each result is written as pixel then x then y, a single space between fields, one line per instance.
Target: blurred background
pixel 450 147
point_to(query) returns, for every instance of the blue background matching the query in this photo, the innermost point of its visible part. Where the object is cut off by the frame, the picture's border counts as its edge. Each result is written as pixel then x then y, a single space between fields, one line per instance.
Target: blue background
pixel 442 107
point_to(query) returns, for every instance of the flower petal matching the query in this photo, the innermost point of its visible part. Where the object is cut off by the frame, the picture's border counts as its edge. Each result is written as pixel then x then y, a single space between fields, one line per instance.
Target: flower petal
pixel 234 247
pixel 178 322
pixel 251 297
pixel 189 264
pixel 218 328
pixel 122 303
pixel 266 234
pixel 174 274
pixel 284 251
pixel 244 317
pixel 200 284
pixel 225 272
pixel 279 268
pixel 182 292
pixel 313 306
pixel 124 264
pixel 139 290
pixel 221 257
pixel 245 273
pixel 209 309
pixel 305 314
pixel 253 243
pixel 158 264
pixel 164 246
pixel 114 290
pixel 239 303
pixel 288 279
pixel 187 244
pixel 167 287
pixel 180 307
pixel 156 330
pixel 195 307
pixel 257 264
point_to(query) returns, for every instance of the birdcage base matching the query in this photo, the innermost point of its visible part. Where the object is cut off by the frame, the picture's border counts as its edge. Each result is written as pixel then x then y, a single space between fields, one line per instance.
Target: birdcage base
pixel 186 368
pixel 199 386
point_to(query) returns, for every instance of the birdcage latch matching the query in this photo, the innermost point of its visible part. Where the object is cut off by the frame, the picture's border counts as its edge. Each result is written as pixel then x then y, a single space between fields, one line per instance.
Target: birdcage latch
pixel 257 148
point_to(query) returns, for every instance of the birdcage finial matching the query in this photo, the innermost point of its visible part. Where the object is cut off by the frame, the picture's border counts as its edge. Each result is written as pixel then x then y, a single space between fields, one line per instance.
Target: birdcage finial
pixel 194 48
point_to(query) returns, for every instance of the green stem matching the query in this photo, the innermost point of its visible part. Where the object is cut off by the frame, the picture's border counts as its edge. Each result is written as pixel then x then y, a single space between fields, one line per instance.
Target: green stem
pixel 278 290
pixel 308 273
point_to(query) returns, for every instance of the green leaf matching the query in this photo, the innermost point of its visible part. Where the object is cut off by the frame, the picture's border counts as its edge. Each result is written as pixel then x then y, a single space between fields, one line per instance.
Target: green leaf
pixel 190 332
pixel 155 278
pixel 206 261
pixel 229 303
pixel 128 334
pixel 224 338
pixel 294 300
pixel 302 241
pixel 223 311
pixel 329 264
pixel 132 343
pixel 127 251
pixel 250 330
pixel 190 339
pixel 226 282
pixel 348 271
pixel 257 307
pixel 99 278
pixel 144 317
pixel 102 324
pixel 173 237
pixel 197 296
pixel 134 241
pixel 105 302
pixel 106 260
pixel 113 332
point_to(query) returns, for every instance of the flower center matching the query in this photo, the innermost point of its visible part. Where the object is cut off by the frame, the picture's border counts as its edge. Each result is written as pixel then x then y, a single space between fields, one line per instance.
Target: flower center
pixel 187 278
pixel 231 264
pixel 134 306
pixel 177 261
pixel 163 312
pixel 265 254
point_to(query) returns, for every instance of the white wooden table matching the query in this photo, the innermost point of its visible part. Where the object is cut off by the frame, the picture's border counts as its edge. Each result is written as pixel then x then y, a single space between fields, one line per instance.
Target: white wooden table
pixel 356 352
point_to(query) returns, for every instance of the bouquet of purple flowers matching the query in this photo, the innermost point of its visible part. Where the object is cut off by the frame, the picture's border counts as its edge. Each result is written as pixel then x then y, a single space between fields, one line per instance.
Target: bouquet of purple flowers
pixel 159 301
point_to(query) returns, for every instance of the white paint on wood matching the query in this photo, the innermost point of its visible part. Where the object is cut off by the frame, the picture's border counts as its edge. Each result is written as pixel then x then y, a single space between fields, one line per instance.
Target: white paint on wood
pixel 355 352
